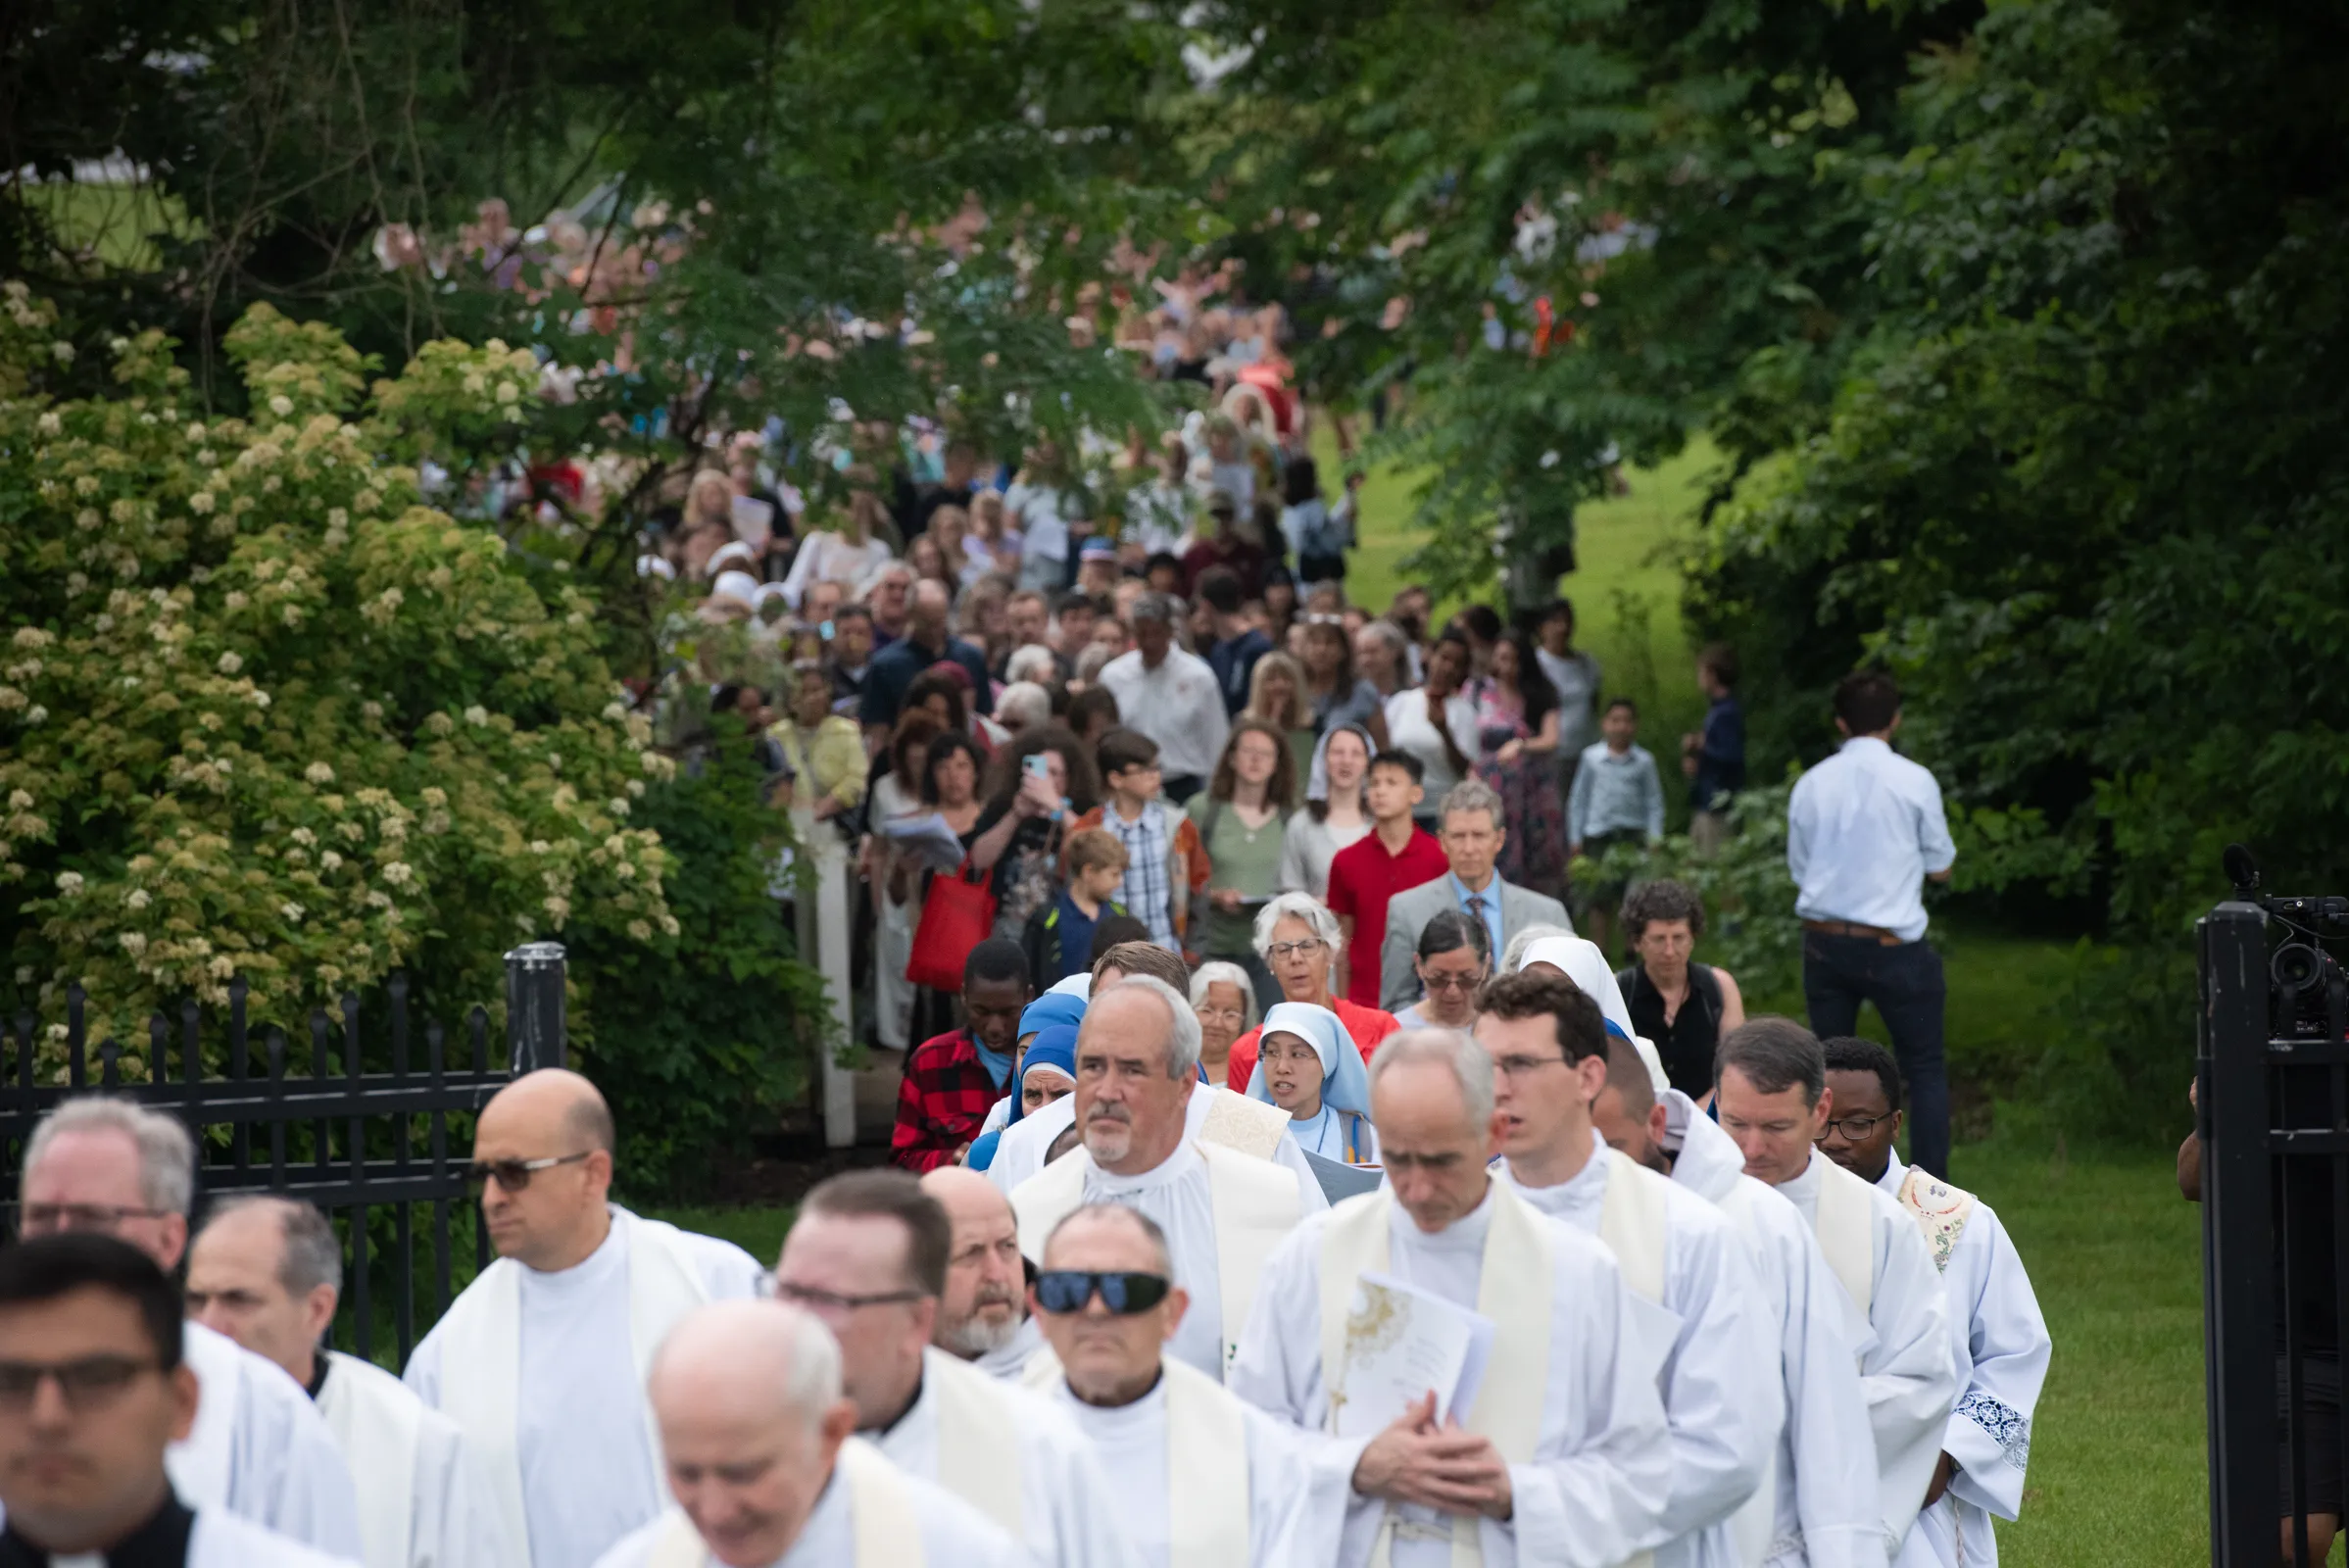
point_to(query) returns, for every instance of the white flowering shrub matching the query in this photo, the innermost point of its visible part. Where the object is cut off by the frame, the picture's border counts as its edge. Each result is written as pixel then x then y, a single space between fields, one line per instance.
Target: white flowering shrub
pixel 265 714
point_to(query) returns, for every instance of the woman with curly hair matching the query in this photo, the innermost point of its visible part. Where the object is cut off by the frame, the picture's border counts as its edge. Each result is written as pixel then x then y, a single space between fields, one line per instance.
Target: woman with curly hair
pixel 1684 1006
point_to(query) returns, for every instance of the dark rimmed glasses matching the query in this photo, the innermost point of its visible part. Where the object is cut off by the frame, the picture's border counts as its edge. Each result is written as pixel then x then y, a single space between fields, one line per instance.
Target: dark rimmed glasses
pixel 84 1382
pixel 1855 1129
pixel 837 1304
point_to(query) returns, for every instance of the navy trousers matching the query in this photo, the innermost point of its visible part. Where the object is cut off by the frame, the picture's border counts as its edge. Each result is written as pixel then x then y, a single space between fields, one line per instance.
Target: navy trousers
pixel 1905 982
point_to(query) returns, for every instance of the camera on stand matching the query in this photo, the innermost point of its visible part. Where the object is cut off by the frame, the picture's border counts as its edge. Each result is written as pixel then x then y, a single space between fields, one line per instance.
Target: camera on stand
pixel 2308 990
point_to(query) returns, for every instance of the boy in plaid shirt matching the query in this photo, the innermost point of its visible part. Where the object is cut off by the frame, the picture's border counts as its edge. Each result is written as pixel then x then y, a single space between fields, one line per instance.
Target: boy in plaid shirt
pixel 952 1080
pixel 1166 864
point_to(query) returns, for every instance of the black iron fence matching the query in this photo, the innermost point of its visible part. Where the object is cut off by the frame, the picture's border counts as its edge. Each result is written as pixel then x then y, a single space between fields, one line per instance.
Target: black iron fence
pixel 2273 1098
pixel 359 1123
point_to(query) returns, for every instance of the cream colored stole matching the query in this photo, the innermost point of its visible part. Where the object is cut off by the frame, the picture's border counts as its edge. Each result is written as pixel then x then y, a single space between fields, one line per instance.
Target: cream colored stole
pixel 481 1357
pixel 377 1430
pixel 1513 1289
pixel 1254 1202
pixel 978 1449
pixel 882 1517
pixel 1632 1221
pixel 1235 1122
pixel 1846 1230
pixel 1940 1209
pixel 1206 1462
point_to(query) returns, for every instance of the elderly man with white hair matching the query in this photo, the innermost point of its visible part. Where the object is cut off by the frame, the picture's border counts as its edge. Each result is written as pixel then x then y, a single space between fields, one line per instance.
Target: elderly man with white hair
pixel 258 1448
pixel 755 1438
pixel 267 1272
pixel 1223 1211
pixel 1563 1458
pixel 1300 939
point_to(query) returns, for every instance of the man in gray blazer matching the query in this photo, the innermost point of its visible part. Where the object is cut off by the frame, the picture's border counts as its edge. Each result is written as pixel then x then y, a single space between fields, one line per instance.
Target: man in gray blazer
pixel 1472 835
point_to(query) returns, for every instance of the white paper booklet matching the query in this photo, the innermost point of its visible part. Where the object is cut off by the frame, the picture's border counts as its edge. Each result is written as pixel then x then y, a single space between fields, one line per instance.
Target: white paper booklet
pixel 753 520
pixel 1400 1343
pixel 925 836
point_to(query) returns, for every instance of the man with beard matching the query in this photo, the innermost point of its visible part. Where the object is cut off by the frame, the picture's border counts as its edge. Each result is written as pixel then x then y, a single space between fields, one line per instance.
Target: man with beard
pixel 1223 1212
pixel 983 1316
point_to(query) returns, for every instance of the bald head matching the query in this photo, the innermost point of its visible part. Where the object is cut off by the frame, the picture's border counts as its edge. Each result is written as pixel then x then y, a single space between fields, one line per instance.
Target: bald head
pixel 545 1141
pixel 985 1300
pixel 747 1398
pixel 556 1097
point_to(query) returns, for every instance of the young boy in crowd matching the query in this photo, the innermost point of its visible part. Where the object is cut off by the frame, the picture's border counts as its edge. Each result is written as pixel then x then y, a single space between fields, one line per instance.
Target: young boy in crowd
pixel 1166 864
pixel 1059 936
pixel 1617 799
pixel 1396 855
pixel 1715 758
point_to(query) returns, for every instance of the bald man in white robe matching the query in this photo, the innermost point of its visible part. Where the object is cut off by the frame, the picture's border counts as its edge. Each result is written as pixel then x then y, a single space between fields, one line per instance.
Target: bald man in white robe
pixel 542 1360
pixel 759 1457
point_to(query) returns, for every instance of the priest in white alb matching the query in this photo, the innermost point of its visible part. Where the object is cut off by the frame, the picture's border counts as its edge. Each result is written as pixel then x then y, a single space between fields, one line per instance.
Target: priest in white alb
pixel 1818 1507
pixel 758 1455
pixel 267 1272
pixel 1770 1087
pixel 1223 1212
pixel 1996 1328
pixel 258 1447
pixel 99 1388
pixel 541 1362
pixel 983 1316
pixel 1679 1255
pixel 1203 1479
pixel 1561 1457
pixel 867 1256
pixel 1212 1115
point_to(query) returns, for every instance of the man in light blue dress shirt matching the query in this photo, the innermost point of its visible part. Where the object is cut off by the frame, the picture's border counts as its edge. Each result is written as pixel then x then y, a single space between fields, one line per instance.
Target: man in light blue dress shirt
pixel 1865 830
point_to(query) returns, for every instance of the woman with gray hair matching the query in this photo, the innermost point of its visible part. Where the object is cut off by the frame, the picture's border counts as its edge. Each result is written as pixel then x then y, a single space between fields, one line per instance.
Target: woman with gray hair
pixel 1024 706
pixel 1226 1005
pixel 1032 661
pixel 1299 940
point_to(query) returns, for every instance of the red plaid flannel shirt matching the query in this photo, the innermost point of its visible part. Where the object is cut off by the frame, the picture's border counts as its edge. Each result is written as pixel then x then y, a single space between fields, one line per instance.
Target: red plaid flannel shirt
pixel 942 1101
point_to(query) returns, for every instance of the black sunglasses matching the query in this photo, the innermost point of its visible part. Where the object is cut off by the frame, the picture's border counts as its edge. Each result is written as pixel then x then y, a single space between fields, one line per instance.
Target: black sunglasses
pixel 1062 1290
pixel 514 1174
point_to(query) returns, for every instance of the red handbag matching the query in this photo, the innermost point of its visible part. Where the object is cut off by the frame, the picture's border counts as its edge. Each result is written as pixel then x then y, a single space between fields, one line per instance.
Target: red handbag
pixel 956 915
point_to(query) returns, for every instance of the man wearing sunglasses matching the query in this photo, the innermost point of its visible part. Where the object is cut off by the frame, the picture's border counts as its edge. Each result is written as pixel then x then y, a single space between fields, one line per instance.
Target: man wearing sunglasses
pixel 1996 1328
pixel 542 1361
pixel 1203 1479
pixel 1770 1078
pixel 259 1447
pixel 869 1257
pixel 94 1390
pixel 1563 1458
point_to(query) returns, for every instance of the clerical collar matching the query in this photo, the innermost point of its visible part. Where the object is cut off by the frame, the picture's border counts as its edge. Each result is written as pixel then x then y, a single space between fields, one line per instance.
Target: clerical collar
pixel 1895 1170
pixel 881 1432
pixel 159 1542
pixel 320 1364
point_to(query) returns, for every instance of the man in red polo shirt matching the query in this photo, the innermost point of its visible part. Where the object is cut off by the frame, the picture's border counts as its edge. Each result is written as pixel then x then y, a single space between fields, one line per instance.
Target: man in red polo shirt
pixel 952 1080
pixel 1393 856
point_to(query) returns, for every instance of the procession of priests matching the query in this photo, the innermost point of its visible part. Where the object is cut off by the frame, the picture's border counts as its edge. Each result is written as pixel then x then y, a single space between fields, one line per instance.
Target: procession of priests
pixel 1573 1318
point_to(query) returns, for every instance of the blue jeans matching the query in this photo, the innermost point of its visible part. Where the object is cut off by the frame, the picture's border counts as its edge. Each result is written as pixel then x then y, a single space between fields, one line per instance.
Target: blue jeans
pixel 1905 982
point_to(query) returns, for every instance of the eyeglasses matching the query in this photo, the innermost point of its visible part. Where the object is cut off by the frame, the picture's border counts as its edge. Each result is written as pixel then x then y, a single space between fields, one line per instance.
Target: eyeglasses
pixel 822 1301
pixel 1293 950
pixel 1853 1128
pixel 83 1384
pixel 1062 1290
pixel 1438 981
pixel 1519 1066
pixel 53 1219
pixel 514 1174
